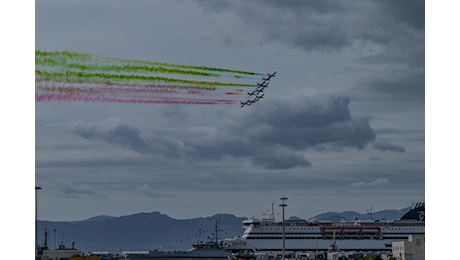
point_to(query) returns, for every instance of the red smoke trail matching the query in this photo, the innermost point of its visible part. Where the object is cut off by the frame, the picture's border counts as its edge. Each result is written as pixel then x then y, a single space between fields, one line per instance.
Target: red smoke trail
pixel 233 93
pixel 84 98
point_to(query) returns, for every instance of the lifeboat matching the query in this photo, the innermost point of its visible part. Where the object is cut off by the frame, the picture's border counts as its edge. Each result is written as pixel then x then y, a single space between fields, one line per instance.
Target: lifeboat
pixel 370 229
pixel 351 229
pixel 332 229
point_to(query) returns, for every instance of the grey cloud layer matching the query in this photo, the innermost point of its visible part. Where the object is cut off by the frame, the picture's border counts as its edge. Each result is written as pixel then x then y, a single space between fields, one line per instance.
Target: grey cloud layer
pixel 271 137
pixel 326 24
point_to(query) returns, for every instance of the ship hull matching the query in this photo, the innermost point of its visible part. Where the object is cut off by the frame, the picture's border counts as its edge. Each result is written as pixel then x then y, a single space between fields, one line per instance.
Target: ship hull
pixel 323 245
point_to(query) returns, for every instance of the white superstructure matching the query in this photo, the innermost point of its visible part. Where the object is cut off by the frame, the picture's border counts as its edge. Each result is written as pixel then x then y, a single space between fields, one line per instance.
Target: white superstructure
pixel 358 235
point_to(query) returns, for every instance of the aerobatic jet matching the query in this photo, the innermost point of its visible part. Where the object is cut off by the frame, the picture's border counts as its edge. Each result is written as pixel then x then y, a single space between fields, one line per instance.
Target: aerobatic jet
pixel 263 85
pixel 252 93
pixel 269 76
pixel 245 103
pixel 257 98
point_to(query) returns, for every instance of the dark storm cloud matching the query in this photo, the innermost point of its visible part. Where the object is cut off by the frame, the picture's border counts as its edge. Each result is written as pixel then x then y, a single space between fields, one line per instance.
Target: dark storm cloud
pixel 122 134
pixel 119 134
pixel 303 123
pixel 273 136
pixel 276 136
pixel 411 12
pixel 388 146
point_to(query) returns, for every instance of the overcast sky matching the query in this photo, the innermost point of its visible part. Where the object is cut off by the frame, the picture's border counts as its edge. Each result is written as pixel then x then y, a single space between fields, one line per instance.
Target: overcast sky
pixel 341 126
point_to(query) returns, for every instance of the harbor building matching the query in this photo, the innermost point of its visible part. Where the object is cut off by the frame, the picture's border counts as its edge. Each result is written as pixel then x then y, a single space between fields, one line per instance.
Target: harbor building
pixel 412 249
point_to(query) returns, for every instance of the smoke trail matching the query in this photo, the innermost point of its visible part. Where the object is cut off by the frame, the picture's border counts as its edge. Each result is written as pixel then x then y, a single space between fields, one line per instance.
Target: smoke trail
pixel 42 57
pixel 77 77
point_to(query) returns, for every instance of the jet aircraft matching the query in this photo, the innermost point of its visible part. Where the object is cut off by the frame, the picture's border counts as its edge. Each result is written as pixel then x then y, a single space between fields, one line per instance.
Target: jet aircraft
pixel 269 76
pixel 252 93
pixel 264 84
pixel 247 103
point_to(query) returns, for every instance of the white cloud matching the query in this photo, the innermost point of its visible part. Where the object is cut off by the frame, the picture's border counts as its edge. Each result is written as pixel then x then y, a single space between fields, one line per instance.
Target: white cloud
pixel 374 183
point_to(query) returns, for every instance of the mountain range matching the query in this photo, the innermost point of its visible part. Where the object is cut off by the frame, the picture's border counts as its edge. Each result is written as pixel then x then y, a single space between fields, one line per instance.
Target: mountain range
pixel 144 231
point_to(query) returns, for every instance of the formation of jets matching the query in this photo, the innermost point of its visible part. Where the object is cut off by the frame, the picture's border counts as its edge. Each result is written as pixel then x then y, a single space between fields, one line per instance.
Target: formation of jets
pixel 258 93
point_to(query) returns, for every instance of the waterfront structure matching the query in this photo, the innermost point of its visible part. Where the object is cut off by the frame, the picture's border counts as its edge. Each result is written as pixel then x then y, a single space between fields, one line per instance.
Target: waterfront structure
pixel 412 249
pixel 62 252
pixel 57 254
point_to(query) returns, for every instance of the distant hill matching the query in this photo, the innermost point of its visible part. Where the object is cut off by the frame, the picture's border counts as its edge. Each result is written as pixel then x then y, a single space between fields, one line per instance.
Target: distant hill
pixel 351 215
pixel 97 218
pixel 140 231
pixel 144 231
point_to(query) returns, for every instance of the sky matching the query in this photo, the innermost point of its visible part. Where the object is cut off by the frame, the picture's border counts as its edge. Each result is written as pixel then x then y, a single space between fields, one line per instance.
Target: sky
pixel 347 65
pixel 341 126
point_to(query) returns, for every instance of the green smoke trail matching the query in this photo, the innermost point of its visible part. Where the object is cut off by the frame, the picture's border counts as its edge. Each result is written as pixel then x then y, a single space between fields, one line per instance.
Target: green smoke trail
pixel 62 58
pixel 125 68
pixel 127 85
pixel 64 64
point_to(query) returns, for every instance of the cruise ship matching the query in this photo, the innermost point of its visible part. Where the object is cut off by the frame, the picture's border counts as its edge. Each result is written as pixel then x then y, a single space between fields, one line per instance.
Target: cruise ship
pixel 310 235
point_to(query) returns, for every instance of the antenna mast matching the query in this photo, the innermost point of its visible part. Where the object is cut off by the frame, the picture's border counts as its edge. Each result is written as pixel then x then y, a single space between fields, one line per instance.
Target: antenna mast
pixel 272 216
pixel 369 213
pixel 216 230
